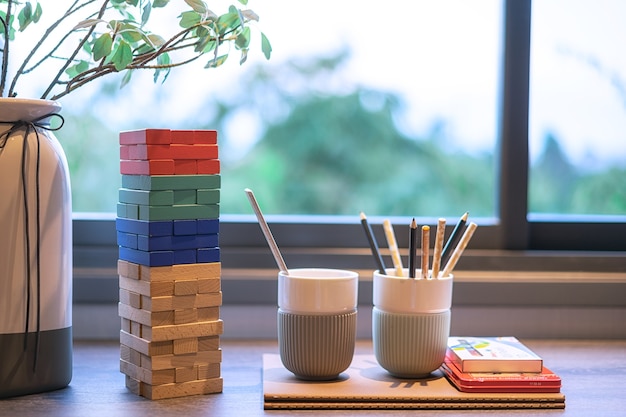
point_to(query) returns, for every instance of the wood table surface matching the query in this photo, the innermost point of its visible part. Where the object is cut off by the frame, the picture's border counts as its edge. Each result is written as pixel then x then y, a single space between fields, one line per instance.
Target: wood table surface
pixel 593 374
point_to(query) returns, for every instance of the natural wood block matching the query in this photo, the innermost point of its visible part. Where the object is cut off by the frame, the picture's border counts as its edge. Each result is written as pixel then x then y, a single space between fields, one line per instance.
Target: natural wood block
pixel 208 343
pixel 132 299
pixel 149 289
pixel 181 302
pixel 208 313
pixel 130 355
pixel 186 287
pixel 188 315
pixel 209 371
pixel 185 346
pixel 133 385
pixel 209 285
pixel 181 272
pixel 128 269
pixel 183 331
pixel 184 389
pixel 146 317
pixel 125 326
pixel 146 347
pixel 136 328
pixel 185 374
pixel 160 377
pixel 180 361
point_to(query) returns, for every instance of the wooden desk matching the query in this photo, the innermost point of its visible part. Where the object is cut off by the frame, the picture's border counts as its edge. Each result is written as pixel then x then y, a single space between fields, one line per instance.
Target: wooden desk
pixel 593 373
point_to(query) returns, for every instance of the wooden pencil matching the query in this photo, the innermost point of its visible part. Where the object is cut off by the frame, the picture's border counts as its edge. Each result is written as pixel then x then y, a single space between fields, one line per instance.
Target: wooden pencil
pixel 373 244
pixel 425 250
pixel 393 247
pixel 441 228
pixel 454 238
pixel 458 251
pixel 412 247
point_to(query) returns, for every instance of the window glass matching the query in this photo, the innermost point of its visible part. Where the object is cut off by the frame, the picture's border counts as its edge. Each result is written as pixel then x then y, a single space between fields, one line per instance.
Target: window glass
pixel 578 107
pixel 389 109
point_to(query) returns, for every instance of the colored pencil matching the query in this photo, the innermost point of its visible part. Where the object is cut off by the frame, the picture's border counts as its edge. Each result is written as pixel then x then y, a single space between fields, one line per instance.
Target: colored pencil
pixel 373 245
pixel 266 232
pixel 458 251
pixel 454 238
pixel 441 228
pixel 412 248
pixel 393 247
pixel 425 250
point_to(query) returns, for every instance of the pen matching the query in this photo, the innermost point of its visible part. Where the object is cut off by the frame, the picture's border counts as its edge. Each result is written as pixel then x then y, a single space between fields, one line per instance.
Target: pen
pixel 393 247
pixel 373 245
pixel 453 240
pixel 412 247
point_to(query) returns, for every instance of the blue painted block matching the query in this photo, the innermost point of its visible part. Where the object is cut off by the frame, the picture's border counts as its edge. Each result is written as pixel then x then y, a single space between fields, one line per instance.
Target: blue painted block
pixel 185 227
pixel 185 257
pixel 208 226
pixel 207 255
pixel 175 243
pixel 144 227
pixel 155 258
pixel 128 240
pixel 207 241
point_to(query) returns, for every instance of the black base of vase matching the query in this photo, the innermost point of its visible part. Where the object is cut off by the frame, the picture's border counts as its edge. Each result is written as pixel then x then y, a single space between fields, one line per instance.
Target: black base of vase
pixel 21 374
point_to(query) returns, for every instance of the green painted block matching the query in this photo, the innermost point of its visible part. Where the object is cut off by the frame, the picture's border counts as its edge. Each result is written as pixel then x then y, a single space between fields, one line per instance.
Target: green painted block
pixel 128 211
pixel 208 196
pixel 171 182
pixel 148 198
pixel 182 197
pixel 182 212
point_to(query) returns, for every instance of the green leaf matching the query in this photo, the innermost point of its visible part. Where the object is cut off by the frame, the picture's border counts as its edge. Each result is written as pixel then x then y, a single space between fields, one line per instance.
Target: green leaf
pixel 160 3
pixel 37 14
pixel 126 78
pixel 122 56
pixel 87 23
pixel 76 69
pixel 209 46
pixel 25 16
pixel 145 13
pixel 216 62
pixel 244 56
pixel 244 2
pixel 228 21
pixel 250 15
pixel 102 46
pixel 162 60
pixel 243 39
pixel 266 47
pixel 198 6
pixel 189 19
pixel 3 15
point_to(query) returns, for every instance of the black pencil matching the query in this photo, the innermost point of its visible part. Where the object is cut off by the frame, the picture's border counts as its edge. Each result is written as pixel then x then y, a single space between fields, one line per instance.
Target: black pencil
pixel 373 245
pixel 412 248
pixel 453 240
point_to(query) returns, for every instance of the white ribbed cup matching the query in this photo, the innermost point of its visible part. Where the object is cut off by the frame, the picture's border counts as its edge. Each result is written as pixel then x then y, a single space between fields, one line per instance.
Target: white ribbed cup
pixel 410 323
pixel 317 321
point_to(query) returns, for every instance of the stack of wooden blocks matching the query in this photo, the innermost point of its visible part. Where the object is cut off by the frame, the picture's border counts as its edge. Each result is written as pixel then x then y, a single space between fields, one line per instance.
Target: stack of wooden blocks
pixel 169 262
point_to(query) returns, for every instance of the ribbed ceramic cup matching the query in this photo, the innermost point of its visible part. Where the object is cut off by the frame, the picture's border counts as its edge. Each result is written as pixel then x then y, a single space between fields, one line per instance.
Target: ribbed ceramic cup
pixel 317 321
pixel 410 323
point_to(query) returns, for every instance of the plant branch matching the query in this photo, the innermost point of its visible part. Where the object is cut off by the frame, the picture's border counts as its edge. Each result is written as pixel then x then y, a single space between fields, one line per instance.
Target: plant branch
pixel 67 63
pixel 5 47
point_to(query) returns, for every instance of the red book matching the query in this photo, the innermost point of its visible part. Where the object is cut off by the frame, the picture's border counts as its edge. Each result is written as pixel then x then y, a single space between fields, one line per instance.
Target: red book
pixel 506 382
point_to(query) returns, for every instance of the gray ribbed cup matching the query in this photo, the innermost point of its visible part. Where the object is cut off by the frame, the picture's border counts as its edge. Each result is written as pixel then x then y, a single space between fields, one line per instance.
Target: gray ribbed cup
pixel 316 347
pixel 410 345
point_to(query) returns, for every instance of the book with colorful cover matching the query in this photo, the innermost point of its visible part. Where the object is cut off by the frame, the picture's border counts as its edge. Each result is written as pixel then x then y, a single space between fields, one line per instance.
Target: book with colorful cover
pixel 510 382
pixel 493 354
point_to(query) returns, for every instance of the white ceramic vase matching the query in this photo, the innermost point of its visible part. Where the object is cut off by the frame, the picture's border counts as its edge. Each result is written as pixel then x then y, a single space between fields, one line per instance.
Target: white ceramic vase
pixel 35 251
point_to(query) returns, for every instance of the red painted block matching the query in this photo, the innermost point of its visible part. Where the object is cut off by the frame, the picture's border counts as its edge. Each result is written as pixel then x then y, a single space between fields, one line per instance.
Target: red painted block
pixel 185 167
pixel 208 166
pixel 125 152
pixel 183 137
pixel 146 136
pixel 146 152
pixel 207 137
pixel 153 167
pixel 197 151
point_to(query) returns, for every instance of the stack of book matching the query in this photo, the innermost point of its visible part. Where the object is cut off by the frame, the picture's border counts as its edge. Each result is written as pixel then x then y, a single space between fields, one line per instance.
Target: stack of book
pixel 497 365
pixel 169 263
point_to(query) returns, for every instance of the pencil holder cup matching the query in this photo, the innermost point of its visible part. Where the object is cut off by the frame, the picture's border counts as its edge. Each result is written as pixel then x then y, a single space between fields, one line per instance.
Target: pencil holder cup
pixel 317 321
pixel 410 323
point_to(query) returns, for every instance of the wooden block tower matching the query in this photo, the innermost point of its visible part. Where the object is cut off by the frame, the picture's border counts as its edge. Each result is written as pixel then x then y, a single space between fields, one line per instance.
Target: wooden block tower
pixel 169 262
